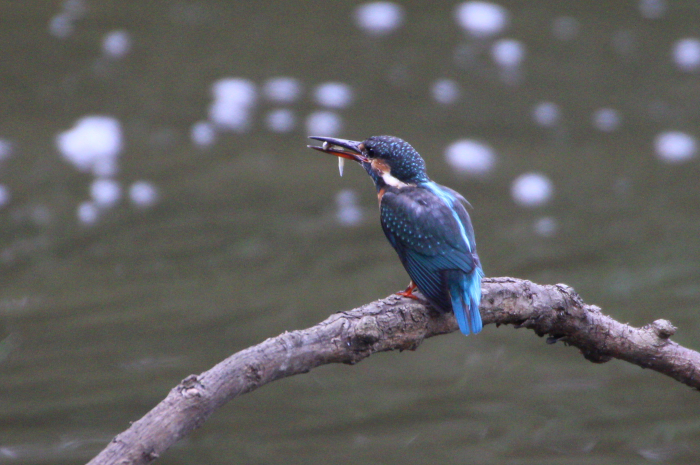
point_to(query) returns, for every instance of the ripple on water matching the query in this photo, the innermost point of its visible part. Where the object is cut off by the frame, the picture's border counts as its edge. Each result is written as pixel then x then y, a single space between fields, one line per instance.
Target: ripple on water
pixel 379 18
pixel 482 19
pixel 471 157
pixel 532 190
pixel 92 145
pixel 675 146
pixel 333 95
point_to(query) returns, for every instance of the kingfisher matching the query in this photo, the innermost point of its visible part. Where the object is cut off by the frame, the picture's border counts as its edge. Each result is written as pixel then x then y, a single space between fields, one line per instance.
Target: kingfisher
pixel 426 223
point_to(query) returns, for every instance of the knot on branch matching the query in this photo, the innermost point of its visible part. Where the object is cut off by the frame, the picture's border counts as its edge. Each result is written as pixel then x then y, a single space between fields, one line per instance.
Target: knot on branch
pixel 596 356
pixel 664 329
pixel 367 331
pixel 253 373
pixel 190 387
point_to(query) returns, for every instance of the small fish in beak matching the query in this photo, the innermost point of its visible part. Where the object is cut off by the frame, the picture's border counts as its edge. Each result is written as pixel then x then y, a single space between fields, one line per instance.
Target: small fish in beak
pixel 341 161
pixel 342 149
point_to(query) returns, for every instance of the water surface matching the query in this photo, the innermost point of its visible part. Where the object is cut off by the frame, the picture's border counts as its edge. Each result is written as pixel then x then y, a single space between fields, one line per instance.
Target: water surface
pixel 107 304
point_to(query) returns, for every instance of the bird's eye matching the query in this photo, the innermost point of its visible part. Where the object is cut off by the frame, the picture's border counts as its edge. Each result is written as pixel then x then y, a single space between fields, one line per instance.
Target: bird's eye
pixel 369 152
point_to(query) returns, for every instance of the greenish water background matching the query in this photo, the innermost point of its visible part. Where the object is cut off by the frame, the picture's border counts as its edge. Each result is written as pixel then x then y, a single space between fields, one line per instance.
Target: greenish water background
pixel 98 322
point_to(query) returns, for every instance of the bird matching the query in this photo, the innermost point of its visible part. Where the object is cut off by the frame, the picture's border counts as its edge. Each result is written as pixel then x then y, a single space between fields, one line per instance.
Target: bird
pixel 426 223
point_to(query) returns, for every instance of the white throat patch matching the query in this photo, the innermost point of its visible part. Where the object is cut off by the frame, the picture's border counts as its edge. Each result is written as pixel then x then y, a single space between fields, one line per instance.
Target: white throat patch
pixel 385 173
pixel 392 181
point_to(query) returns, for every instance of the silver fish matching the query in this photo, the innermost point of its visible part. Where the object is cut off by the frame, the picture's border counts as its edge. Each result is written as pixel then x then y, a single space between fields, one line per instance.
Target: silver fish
pixel 341 161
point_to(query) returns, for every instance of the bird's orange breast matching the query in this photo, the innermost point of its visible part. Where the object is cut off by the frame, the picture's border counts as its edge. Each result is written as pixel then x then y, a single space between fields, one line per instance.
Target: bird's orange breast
pixel 380 194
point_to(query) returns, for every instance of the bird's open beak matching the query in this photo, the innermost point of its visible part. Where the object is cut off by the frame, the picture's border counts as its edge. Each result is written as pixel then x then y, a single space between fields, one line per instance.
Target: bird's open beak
pixel 350 149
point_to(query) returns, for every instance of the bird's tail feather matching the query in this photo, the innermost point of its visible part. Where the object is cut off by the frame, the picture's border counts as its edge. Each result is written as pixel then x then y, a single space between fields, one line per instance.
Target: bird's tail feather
pixel 458 305
pixel 465 293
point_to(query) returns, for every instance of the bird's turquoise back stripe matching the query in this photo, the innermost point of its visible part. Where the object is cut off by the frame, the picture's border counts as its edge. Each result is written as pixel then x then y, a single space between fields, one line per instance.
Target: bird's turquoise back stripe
pixel 449 200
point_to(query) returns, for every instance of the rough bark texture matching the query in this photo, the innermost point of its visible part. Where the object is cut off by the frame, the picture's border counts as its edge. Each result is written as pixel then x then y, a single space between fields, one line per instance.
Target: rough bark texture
pixel 398 323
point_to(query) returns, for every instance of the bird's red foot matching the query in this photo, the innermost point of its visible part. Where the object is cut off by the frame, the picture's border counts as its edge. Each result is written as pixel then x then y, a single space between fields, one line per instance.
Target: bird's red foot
pixel 409 292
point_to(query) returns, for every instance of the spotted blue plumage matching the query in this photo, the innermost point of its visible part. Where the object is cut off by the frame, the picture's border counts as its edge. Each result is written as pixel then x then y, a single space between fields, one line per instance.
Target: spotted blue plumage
pixel 430 229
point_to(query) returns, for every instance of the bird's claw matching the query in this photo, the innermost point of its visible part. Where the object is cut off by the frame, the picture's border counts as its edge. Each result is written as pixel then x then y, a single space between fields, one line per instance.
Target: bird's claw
pixel 408 292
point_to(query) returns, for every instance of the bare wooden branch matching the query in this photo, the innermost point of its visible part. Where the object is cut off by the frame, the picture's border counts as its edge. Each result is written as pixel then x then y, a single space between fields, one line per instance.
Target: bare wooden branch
pixel 398 323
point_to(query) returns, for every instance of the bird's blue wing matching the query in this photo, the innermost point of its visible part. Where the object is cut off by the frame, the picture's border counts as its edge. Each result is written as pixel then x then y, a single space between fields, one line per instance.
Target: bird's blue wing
pixel 435 241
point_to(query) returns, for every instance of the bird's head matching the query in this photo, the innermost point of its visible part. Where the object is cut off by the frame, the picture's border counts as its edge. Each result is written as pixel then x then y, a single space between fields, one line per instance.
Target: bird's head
pixel 389 160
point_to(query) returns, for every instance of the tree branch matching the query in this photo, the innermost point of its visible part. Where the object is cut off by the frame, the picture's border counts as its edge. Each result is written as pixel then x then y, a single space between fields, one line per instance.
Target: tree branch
pixel 397 323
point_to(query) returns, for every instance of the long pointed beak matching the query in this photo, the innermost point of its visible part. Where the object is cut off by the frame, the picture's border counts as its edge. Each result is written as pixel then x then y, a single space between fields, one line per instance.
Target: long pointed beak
pixel 349 149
